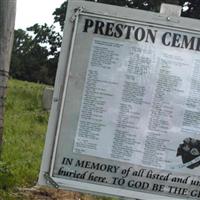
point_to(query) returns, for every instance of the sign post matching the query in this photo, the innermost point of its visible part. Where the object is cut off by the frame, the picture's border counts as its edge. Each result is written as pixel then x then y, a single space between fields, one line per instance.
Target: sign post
pixel 125 113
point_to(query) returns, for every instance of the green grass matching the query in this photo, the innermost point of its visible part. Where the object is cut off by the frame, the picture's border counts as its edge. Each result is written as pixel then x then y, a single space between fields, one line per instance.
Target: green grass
pixel 25 124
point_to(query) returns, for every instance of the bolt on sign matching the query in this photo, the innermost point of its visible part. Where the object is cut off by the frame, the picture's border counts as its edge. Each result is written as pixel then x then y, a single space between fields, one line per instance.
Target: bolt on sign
pixel 125 118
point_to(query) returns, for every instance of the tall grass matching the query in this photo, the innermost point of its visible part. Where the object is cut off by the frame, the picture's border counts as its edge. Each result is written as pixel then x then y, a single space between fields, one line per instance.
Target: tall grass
pixel 25 125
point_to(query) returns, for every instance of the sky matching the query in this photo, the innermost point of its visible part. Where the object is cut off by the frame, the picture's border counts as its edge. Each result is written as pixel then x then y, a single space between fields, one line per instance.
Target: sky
pixel 30 12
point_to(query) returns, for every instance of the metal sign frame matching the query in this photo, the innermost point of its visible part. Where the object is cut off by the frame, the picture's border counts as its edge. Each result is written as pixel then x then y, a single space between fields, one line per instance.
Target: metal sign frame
pixel 75 9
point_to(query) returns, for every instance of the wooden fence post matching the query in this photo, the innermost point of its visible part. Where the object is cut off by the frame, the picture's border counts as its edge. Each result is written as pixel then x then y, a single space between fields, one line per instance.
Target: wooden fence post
pixel 7 22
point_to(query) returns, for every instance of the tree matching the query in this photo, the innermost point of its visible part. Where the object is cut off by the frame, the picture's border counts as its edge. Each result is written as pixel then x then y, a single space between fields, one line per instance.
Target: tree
pixel 43 34
pixel 50 39
pixel 47 38
pixel 35 55
pixel 59 14
pixel 27 57
pixel 7 21
pixel 191 8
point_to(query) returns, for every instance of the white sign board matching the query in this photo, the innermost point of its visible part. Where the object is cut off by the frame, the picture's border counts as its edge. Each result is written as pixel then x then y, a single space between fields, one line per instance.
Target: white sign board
pixel 125 119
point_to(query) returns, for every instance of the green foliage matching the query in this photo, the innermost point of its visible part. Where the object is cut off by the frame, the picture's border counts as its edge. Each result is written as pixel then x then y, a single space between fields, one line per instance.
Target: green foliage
pixel 25 127
pixel 191 8
pixel 6 176
pixel 44 34
pixel 60 13
pixel 35 57
pixel 27 57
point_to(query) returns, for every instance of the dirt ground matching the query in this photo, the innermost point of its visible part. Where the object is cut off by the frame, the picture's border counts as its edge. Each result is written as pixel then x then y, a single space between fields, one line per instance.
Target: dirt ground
pixel 37 193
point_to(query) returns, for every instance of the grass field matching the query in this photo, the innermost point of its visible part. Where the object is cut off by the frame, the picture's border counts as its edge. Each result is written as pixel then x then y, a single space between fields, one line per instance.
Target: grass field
pixel 25 126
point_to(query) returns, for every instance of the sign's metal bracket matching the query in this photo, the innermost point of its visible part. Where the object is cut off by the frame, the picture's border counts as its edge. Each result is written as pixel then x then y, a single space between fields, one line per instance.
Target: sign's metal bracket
pixel 77 12
pixel 172 12
pixel 50 180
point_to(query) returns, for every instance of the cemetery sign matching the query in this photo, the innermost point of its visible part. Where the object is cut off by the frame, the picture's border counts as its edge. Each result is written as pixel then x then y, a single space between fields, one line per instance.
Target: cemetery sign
pixel 125 118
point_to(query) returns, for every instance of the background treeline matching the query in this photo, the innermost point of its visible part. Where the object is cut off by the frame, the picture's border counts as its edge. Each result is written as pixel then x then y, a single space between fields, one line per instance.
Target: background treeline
pixel 36 49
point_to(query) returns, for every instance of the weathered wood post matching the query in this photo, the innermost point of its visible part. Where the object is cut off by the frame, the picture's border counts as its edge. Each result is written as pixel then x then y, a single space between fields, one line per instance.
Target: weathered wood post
pixel 7 22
